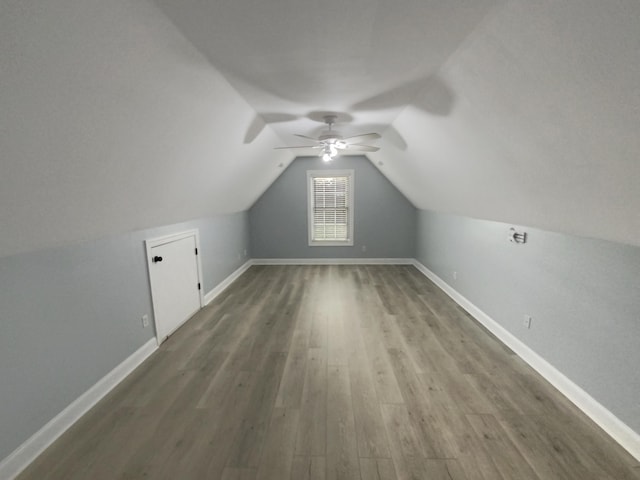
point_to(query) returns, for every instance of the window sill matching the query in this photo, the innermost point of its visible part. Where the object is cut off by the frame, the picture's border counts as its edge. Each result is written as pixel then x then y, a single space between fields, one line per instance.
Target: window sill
pixel 345 243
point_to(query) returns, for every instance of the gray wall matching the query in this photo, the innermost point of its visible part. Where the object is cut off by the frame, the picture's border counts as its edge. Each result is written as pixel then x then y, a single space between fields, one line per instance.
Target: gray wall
pixel 385 221
pixel 582 294
pixel 71 314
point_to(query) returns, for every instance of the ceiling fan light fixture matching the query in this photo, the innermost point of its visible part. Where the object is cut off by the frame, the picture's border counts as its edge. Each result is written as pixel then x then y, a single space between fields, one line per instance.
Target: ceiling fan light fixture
pixel 329 152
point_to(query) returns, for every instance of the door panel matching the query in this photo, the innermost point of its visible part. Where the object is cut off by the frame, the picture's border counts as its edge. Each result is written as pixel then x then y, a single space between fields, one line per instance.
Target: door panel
pixel 173 271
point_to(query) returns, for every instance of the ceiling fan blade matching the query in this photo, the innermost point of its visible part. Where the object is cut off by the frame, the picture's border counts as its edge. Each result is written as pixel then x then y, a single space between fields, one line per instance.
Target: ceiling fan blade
pixel 364 136
pixel 355 147
pixel 298 146
pixel 304 136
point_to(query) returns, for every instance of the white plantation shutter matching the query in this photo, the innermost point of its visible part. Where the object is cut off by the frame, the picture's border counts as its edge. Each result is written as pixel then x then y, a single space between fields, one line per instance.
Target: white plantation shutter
pixel 330 209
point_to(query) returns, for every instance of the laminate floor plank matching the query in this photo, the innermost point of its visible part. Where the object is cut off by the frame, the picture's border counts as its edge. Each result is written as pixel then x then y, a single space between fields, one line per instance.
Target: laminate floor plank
pixel 416 468
pixel 544 450
pixel 319 328
pixel 312 432
pixel 404 438
pixel 238 474
pixel 291 385
pixel 387 326
pixel 370 430
pixel 142 387
pixel 188 440
pixel 412 389
pixel 442 470
pixel 247 448
pixel 139 430
pixel 326 372
pixel 214 432
pixel 342 447
pixel 508 460
pixel 277 457
pixel 384 378
pixel 309 468
pixel 377 469
pixel 336 342
pixel 589 452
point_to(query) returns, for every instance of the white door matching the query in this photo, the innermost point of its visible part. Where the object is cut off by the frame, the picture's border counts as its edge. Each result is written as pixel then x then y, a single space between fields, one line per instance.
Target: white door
pixel 174 274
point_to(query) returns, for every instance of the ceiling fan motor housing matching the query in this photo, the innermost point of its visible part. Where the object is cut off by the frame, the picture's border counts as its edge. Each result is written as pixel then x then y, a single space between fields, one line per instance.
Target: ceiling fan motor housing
pixel 330 138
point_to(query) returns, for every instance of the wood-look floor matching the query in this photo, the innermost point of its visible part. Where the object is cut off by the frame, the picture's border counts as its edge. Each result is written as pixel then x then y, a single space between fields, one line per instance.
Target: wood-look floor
pixel 334 372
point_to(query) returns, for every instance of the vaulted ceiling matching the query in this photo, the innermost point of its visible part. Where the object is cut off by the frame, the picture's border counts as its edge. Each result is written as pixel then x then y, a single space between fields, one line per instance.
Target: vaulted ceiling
pixel 510 110
pixel 120 115
pixel 293 60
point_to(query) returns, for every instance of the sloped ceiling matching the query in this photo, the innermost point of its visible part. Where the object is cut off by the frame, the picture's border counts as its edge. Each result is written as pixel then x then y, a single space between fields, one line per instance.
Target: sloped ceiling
pixel 124 114
pixel 534 120
pixel 112 121
pixel 517 111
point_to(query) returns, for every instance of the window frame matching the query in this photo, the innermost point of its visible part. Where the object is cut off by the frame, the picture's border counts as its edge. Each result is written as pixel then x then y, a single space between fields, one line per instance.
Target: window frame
pixel 311 175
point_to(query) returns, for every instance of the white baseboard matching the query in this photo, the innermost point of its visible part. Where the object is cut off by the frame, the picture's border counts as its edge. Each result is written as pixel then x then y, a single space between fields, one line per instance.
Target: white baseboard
pixel 333 261
pixel 26 453
pixel 616 428
pixel 217 290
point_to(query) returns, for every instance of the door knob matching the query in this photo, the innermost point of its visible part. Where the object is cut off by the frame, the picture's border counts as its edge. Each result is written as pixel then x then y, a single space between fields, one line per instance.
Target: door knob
pixel 157 259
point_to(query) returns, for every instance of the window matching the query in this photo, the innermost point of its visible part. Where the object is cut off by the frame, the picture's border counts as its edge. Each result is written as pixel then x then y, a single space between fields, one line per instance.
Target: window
pixel 330 199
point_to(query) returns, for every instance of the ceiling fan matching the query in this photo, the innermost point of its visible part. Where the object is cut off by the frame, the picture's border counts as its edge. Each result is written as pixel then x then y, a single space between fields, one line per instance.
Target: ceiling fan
pixel 330 143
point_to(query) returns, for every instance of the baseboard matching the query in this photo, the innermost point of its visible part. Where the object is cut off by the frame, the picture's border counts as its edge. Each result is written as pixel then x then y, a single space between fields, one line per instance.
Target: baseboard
pixel 616 428
pixel 26 453
pixel 333 261
pixel 217 290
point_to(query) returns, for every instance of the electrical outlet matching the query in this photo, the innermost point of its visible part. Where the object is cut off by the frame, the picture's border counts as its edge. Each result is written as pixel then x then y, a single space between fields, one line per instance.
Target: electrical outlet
pixel 245 252
pixel 526 321
pixel 364 248
pixel 145 320
pixel 455 275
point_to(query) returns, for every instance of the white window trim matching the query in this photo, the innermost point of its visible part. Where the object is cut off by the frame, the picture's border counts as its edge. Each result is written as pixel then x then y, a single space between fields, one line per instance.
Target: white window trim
pixel 311 174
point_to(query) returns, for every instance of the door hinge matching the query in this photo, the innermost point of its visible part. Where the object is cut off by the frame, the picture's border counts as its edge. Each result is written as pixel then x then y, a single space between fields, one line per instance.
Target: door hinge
pixel 196 251
pixel 198 286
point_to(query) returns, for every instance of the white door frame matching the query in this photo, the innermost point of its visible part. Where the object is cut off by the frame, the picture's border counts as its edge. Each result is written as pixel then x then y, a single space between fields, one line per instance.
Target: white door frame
pixel 156 242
